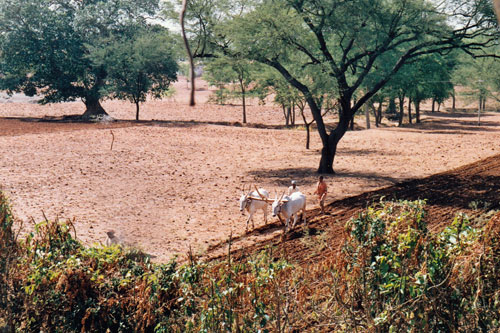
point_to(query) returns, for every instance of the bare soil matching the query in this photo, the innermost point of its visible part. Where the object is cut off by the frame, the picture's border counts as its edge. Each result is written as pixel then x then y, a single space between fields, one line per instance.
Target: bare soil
pixel 173 180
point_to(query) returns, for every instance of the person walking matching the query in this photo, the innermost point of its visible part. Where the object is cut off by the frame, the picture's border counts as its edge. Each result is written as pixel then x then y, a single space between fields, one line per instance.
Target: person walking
pixel 321 191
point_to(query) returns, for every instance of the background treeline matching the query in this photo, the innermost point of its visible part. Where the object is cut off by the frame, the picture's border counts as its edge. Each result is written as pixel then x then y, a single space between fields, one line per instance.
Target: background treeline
pixel 311 56
pixel 392 275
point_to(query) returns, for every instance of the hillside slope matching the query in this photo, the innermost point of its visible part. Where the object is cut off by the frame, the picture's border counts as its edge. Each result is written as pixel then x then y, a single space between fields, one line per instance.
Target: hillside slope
pixel 471 189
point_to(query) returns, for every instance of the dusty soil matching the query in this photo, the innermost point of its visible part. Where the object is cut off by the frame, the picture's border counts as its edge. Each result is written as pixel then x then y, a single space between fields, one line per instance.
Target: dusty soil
pixel 172 181
pixel 473 189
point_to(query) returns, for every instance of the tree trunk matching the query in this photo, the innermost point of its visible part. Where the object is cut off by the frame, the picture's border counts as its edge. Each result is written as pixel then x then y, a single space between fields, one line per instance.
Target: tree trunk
pixel 479 111
pixel 351 124
pixel 391 109
pixel 293 114
pixel 308 128
pixel 243 101
pixel 433 105
pixel 137 110
pixel 439 107
pixel 288 115
pixel 417 111
pixel 220 95
pixel 188 50
pixel 378 116
pixel 484 104
pixel 372 106
pixel 330 147
pixel 409 110
pixel 326 161
pixel 401 110
pixel 93 108
pixel 367 115
pixel 454 99
pixel 285 115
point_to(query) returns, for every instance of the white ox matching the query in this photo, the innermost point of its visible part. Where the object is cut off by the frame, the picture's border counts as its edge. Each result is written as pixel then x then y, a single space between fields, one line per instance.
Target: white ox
pixel 287 206
pixel 253 201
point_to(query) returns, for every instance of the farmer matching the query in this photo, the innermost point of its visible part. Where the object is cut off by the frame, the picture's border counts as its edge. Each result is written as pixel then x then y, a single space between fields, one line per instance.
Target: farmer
pixel 321 190
pixel 293 188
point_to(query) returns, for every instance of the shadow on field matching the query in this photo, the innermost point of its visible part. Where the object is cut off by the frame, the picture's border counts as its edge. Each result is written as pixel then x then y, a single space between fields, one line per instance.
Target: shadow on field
pixel 77 119
pixel 470 189
pixel 282 177
pixel 363 152
pixel 373 176
pixel 452 123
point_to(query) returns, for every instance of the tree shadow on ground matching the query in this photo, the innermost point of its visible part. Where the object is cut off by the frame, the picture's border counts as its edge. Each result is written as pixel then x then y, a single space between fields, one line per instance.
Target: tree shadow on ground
pixel 446 190
pixel 152 122
pixel 450 126
pixel 460 113
pixel 363 152
pixel 282 177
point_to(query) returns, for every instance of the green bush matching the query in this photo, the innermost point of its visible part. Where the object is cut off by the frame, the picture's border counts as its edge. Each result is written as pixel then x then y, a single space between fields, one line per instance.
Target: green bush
pixel 395 276
pixel 391 275
pixel 58 285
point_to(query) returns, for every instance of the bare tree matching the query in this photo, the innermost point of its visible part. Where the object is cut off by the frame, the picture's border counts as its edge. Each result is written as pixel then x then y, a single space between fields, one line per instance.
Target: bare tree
pixel 188 50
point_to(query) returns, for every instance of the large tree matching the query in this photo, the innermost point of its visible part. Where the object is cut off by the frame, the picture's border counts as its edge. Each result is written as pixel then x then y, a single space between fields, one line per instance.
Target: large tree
pixel 45 45
pixel 348 40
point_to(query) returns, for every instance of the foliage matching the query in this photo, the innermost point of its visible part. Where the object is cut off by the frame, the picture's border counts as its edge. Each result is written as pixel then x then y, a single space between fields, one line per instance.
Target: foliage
pixel 480 76
pixel 392 275
pixel 342 41
pixel 395 276
pixel 222 71
pixel 45 45
pixel 57 284
pixel 427 77
pixel 140 64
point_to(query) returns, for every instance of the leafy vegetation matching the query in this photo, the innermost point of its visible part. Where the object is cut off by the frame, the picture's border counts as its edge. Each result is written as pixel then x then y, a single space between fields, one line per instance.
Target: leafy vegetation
pixel 232 77
pixel 392 275
pixel 479 77
pixel 343 42
pixel 139 64
pixel 46 49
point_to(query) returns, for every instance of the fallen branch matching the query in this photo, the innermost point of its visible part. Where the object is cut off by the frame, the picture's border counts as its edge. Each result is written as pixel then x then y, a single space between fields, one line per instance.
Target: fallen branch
pixel 112 140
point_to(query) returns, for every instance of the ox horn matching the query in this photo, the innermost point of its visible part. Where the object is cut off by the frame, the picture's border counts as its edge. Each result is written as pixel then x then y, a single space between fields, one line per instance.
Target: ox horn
pixel 260 195
pixel 282 195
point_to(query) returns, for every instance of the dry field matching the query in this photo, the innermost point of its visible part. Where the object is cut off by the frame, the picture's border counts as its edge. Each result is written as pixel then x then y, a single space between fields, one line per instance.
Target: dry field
pixel 174 182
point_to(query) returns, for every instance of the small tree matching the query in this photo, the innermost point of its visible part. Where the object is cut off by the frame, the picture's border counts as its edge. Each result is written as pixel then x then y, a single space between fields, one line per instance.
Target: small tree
pixel 223 70
pixel 480 76
pixel 137 66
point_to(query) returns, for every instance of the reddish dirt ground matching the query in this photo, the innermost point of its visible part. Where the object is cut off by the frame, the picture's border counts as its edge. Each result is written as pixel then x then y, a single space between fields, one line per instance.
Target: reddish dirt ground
pixel 472 189
pixel 172 181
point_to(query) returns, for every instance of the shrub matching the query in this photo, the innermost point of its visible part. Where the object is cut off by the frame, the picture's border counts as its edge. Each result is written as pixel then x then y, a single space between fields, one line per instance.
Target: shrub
pixel 395 276
pixel 58 285
pixel 391 275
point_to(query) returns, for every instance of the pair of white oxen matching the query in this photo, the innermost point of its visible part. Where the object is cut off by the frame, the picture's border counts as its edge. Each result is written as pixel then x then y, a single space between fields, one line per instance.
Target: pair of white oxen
pixel 285 207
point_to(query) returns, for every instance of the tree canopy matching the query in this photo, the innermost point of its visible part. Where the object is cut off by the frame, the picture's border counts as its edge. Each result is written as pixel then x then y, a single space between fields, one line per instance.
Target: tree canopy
pixel 142 63
pixel 46 45
pixel 344 41
pixel 480 76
